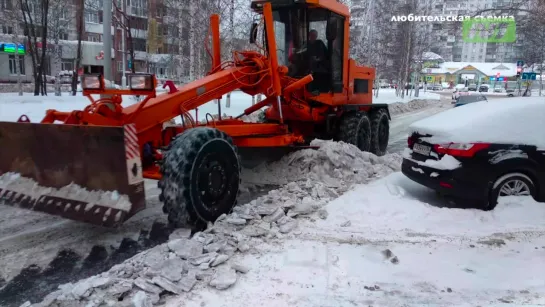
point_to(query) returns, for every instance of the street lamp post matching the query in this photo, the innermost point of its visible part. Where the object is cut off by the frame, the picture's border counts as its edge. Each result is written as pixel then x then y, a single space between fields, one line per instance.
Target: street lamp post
pixel 124 53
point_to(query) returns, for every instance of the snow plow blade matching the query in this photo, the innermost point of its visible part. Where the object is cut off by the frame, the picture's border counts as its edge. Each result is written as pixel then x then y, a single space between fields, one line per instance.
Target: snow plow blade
pixel 91 174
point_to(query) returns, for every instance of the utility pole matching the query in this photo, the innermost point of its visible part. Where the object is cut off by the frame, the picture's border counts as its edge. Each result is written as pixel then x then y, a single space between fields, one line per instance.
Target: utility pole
pixel 107 39
pixel 123 78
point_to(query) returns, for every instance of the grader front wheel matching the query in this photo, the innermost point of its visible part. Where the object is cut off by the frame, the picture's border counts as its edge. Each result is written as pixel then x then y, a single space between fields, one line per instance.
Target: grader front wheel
pixel 201 177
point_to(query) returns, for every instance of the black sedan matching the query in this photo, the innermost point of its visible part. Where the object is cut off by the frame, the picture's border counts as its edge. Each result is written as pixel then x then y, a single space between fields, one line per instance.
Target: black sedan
pixel 481 152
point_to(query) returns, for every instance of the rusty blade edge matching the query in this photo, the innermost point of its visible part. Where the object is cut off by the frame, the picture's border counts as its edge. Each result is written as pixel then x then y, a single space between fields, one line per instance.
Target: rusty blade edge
pixel 65 207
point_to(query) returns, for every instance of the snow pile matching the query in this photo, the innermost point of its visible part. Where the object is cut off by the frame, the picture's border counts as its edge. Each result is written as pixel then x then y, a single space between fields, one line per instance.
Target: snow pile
pixel 177 266
pixel 411 106
pixel 389 96
pixel 394 206
pixel 334 163
pixel 508 121
pixel 26 186
pixel 209 258
pixel 389 244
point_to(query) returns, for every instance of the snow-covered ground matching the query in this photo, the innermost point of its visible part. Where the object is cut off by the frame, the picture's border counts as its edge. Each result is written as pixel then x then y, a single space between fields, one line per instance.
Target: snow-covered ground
pixel 12 106
pixel 388 96
pixel 337 238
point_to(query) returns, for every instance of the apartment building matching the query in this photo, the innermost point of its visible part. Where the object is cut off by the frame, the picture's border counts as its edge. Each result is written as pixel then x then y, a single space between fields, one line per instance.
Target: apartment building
pixel 156 43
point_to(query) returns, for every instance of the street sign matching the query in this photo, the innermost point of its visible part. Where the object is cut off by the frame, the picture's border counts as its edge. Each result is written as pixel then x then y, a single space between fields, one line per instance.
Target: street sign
pixel 492 78
pixel 498 75
pixel 500 79
pixel 430 78
pixel 520 63
pixel 529 76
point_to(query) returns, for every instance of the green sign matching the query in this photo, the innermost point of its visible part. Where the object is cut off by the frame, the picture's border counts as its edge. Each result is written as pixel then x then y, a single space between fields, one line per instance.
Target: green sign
pixel 529 76
pixel 12 48
pixel 489 31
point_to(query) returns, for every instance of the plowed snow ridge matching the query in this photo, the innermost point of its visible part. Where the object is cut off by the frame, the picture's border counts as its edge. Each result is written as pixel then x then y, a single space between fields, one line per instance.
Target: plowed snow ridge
pixel 313 177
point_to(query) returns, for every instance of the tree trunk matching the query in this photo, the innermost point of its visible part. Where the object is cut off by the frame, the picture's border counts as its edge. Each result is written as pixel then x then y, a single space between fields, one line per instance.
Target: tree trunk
pixel 58 67
pixel 192 54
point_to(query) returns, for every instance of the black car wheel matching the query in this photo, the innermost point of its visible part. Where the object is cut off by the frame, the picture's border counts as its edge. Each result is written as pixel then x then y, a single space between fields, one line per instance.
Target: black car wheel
pixel 512 184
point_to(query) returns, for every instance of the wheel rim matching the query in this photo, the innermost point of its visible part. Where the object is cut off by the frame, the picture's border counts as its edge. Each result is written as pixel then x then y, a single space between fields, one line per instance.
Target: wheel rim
pixel 212 181
pixel 515 187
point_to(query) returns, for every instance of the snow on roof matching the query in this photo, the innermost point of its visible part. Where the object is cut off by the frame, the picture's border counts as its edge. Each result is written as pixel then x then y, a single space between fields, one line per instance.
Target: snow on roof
pixel 510 120
pixel 431 56
pixel 489 69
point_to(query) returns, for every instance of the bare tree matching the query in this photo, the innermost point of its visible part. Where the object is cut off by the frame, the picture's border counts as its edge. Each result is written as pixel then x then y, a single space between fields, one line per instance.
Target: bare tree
pixel 34 16
pixel 125 23
pixel 60 19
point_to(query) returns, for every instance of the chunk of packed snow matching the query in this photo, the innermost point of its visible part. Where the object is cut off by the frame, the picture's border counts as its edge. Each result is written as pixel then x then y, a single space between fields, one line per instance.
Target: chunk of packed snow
pixel 333 163
pixel 447 162
pixel 27 186
pixel 510 121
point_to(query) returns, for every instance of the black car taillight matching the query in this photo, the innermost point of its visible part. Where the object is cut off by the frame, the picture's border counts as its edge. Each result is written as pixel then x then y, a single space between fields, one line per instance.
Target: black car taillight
pixel 410 141
pixel 466 150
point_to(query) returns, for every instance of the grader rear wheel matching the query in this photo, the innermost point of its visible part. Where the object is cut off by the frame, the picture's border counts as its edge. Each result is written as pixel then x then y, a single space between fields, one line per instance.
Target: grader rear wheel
pixel 380 132
pixel 201 177
pixel 355 128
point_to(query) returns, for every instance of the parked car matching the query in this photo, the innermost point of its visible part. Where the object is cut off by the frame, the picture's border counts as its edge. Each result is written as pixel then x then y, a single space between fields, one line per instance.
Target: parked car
pixel 484 88
pixel 499 89
pixel 480 152
pixel 472 87
pixel 465 99
pixel 510 92
pixel 437 87
pixel 459 92
pixel 460 86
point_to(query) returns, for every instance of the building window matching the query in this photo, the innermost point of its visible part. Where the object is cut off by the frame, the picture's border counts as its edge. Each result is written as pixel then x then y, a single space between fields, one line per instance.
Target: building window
pixel 7 30
pixel 138 7
pixel 63 35
pixel 139 44
pixel 67 65
pixel 94 37
pixel 91 16
pixel 120 66
pixel 13 65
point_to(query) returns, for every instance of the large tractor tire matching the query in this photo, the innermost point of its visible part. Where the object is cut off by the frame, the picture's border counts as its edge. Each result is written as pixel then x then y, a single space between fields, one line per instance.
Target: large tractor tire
pixel 355 128
pixel 380 132
pixel 201 177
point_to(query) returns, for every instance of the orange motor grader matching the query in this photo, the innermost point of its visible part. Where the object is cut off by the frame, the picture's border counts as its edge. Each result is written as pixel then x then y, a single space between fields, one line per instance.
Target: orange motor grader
pixel 89 165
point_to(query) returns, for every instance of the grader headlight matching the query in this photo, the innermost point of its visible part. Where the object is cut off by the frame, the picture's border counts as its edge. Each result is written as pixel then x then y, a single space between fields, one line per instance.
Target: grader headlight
pixel 141 82
pixel 91 82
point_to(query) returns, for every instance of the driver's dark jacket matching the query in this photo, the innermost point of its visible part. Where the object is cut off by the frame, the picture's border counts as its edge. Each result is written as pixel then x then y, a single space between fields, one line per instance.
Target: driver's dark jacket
pixel 317 49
